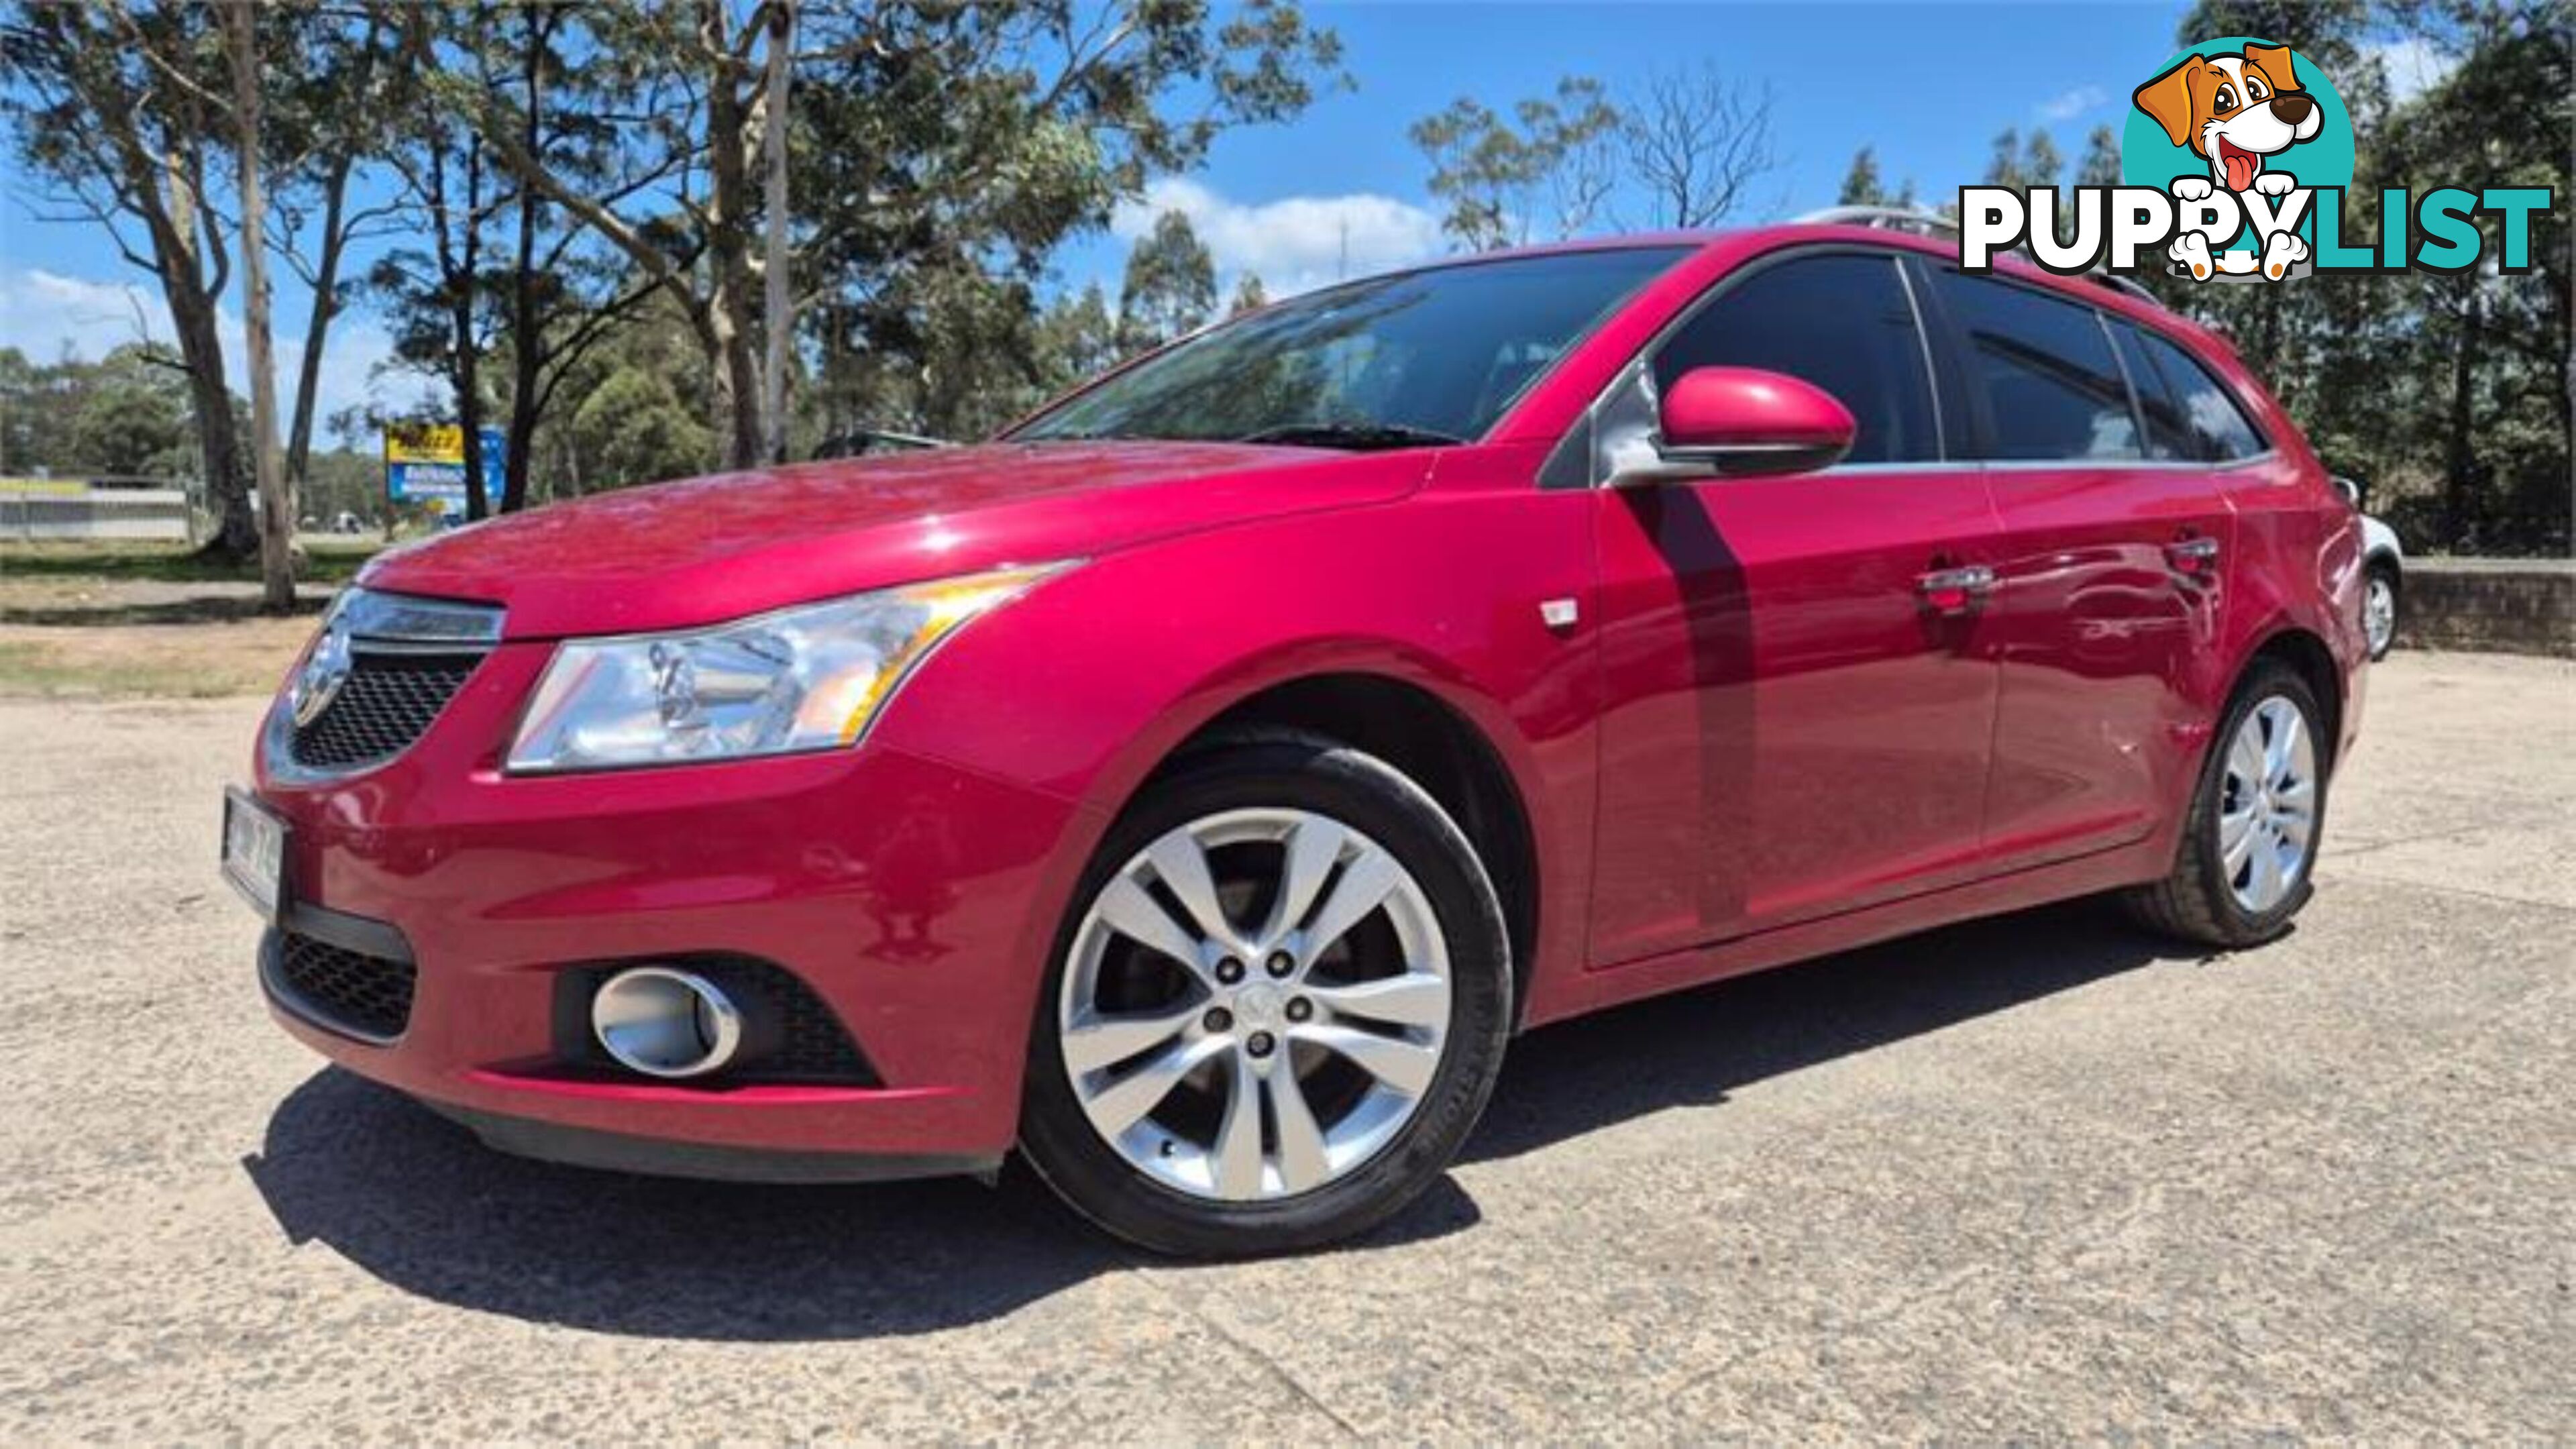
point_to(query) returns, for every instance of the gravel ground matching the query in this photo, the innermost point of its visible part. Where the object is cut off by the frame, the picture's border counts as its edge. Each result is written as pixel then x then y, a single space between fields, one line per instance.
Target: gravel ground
pixel 2029 1178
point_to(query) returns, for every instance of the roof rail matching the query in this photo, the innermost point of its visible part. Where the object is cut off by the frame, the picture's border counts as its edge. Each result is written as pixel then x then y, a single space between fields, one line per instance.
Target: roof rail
pixel 1924 223
pixel 2129 287
pixel 1884 218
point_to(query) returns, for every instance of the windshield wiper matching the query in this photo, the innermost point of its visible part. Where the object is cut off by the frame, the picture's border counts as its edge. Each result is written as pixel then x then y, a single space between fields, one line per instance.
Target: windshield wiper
pixel 1357 435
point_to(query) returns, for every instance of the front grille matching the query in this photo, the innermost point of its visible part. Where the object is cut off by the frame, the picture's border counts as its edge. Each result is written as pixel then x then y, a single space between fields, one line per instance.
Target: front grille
pixel 812 1046
pixel 347 991
pixel 386 703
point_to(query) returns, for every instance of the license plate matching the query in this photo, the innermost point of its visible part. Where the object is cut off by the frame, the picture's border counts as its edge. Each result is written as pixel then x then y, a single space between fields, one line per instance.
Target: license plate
pixel 254 852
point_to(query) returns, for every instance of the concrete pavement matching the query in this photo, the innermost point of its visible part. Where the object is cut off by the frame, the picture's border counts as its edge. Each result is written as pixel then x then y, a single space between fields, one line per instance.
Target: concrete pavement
pixel 2034 1177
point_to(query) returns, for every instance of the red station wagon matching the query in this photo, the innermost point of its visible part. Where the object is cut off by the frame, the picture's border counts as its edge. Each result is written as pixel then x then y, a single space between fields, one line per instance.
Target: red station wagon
pixel 1196 787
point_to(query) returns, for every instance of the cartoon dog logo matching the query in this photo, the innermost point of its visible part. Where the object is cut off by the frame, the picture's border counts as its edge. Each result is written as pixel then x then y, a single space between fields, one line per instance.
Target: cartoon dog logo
pixel 2234 111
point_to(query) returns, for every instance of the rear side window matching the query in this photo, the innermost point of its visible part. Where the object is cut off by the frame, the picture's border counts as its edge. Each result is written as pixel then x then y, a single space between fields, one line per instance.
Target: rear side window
pixel 2220 430
pixel 2051 386
pixel 1842 322
pixel 2169 434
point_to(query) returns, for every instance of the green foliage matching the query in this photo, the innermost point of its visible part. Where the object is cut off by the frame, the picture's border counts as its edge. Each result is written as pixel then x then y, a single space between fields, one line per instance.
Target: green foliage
pixel 2025 163
pixel 1497 173
pixel 2101 163
pixel 126 415
pixel 2449 395
pixel 633 428
pixel 1861 185
pixel 1169 288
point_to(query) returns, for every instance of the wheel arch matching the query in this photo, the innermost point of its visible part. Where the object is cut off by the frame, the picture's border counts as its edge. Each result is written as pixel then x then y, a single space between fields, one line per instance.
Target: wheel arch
pixel 2305 652
pixel 1429 739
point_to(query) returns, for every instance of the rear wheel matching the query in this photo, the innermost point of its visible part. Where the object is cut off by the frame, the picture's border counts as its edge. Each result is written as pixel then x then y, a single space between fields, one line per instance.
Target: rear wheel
pixel 1277 1009
pixel 2379 609
pixel 2256 820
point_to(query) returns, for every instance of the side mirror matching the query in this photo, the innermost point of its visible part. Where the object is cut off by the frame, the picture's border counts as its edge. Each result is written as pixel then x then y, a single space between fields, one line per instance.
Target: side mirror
pixel 2353 491
pixel 1744 422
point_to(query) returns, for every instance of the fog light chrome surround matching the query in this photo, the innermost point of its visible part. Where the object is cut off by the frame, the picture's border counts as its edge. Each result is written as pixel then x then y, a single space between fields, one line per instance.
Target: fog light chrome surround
pixel 664 1022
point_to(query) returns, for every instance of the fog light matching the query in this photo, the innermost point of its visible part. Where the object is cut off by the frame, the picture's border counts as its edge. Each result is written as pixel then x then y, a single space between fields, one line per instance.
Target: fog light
pixel 665 1023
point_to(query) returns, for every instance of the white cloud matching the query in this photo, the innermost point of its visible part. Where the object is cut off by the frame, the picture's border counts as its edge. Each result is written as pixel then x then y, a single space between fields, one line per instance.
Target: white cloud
pixel 1294 244
pixel 2414 65
pixel 49 316
pixel 2067 105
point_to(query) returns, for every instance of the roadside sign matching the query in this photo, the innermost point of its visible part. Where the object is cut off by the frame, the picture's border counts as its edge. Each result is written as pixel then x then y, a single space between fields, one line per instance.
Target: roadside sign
pixel 425 465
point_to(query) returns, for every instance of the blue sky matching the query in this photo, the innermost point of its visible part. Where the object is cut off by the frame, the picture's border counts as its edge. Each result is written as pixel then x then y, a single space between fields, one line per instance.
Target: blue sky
pixel 1928 85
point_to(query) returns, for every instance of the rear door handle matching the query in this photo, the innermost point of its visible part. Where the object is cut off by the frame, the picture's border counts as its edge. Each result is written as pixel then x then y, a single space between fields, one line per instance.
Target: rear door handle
pixel 1954 590
pixel 2192 556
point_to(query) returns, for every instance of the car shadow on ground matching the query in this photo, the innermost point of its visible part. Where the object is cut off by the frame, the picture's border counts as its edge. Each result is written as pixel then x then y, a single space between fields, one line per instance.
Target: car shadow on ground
pixel 417 1202
pixel 1693 1047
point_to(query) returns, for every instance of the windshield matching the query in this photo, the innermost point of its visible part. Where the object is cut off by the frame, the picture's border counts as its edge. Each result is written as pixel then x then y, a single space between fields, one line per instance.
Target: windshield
pixel 1422 357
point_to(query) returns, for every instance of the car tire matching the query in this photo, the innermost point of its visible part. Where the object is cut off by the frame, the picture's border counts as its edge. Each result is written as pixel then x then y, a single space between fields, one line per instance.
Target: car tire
pixel 2382 594
pixel 1173 1195
pixel 2210 897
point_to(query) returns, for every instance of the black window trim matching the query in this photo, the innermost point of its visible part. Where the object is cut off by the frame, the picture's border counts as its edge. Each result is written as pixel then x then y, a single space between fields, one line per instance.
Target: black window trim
pixel 2226 389
pixel 1575 449
pixel 2111 326
pixel 1983 423
pixel 1938 333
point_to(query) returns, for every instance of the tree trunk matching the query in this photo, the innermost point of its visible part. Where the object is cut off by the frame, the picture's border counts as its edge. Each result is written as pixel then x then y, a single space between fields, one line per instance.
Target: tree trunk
pixel 317 326
pixel 192 317
pixel 527 328
pixel 276 502
pixel 729 320
pixel 2460 456
pixel 466 363
pixel 172 218
pixel 778 308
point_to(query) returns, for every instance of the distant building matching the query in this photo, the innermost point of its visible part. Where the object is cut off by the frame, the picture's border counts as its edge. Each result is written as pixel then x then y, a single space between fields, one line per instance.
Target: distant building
pixel 137 508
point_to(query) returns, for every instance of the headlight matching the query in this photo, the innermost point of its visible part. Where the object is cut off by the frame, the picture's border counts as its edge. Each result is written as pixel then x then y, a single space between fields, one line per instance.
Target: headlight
pixel 806 678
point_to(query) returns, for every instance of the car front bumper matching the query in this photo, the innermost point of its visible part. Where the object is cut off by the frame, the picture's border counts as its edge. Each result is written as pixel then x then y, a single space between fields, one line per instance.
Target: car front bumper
pixel 916 899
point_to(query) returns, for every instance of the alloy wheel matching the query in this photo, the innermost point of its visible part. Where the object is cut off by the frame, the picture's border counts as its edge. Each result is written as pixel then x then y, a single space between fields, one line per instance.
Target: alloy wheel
pixel 1255 1005
pixel 2379 614
pixel 2267 814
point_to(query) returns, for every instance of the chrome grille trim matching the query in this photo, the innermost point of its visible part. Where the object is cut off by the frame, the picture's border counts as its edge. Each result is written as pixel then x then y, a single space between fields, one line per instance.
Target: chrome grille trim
pixel 384 669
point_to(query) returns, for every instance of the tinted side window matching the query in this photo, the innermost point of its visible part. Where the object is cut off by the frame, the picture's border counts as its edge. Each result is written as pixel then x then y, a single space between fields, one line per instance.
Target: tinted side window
pixel 1842 322
pixel 2169 435
pixel 2051 386
pixel 2218 425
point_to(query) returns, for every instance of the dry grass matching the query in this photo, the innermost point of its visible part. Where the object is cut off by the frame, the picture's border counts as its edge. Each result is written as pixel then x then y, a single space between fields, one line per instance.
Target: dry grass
pixel 189 661
pixel 121 620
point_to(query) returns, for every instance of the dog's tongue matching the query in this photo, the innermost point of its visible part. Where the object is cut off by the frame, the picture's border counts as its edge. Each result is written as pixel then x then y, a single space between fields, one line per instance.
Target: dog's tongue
pixel 2241 166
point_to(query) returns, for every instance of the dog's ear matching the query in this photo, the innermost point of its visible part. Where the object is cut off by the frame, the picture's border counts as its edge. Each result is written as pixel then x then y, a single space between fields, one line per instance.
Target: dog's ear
pixel 2274 62
pixel 2168 98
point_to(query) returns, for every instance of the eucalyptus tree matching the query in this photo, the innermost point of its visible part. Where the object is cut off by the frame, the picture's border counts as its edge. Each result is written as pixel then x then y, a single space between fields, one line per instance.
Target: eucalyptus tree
pixel 126 113
pixel 117 114
pixel 924 136
pixel 1499 173
pixel 1168 288
pixel 499 292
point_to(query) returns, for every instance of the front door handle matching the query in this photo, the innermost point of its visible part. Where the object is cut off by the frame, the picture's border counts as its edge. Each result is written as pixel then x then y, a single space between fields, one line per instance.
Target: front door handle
pixel 2193 556
pixel 1955 590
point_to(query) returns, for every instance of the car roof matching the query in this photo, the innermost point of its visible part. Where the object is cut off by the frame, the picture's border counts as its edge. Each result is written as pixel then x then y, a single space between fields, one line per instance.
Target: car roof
pixel 2086 287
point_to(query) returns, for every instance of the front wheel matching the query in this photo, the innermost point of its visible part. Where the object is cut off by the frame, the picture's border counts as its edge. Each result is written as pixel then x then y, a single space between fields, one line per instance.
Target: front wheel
pixel 1277 1007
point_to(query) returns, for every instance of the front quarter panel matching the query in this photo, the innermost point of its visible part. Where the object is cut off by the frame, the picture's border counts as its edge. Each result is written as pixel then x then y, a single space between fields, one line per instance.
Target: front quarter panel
pixel 1085 685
